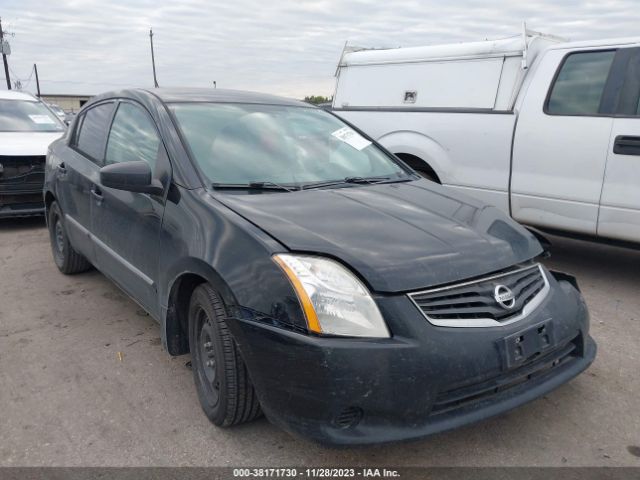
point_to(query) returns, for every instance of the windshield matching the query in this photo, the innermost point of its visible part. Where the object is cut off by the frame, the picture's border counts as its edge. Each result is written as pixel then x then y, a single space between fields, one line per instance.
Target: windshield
pixel 245 143
pixel 26 116
pixel 57 110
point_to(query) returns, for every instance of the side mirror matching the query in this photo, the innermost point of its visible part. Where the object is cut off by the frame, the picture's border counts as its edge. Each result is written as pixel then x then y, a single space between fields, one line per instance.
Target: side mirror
pixel 130 176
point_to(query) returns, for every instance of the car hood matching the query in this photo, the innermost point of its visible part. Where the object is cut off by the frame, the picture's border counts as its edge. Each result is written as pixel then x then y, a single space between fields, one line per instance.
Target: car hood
pixel 398 237
pixel 26 143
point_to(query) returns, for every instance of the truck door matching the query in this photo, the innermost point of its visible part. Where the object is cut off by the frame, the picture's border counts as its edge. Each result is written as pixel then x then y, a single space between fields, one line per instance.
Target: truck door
pixel 619 215
pixel 562 139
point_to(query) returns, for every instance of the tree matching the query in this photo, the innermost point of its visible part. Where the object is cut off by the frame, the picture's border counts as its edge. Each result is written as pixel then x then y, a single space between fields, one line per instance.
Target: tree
pixel 317 99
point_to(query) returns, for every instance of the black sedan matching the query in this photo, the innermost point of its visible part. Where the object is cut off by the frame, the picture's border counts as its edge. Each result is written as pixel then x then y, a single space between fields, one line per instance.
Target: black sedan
pixel 311 274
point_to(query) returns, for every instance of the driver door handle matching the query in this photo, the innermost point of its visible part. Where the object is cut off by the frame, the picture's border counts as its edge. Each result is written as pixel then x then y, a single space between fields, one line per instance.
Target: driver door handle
pixel 96 193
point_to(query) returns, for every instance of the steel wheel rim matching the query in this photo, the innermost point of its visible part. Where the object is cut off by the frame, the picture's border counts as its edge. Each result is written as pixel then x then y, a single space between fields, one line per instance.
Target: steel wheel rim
pixel 205 354
pixel 59 236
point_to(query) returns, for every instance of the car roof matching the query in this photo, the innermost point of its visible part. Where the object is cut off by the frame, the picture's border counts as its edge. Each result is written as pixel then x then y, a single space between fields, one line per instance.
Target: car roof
pixel 207 95
pixel 14 95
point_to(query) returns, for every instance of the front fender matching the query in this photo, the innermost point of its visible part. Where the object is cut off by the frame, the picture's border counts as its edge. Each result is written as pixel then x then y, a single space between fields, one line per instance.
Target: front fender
pixel 204 240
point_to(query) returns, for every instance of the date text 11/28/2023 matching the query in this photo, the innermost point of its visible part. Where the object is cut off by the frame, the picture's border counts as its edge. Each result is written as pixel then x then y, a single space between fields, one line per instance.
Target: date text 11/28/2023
pixel 323 472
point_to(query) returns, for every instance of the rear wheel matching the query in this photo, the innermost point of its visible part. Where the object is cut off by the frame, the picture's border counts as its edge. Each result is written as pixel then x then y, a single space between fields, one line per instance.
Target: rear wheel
pixel 65 257
pixel 419 165
pixel 222 381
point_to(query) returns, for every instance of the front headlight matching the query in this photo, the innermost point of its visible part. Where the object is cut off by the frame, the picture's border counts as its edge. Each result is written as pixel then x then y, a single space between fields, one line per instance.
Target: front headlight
pixel 334 301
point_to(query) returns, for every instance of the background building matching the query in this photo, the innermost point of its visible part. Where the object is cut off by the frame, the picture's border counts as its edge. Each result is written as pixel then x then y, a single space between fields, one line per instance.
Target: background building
pixel 69 103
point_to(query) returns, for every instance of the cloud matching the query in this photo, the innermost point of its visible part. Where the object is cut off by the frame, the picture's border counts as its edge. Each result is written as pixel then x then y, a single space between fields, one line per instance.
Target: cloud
pixel 283 47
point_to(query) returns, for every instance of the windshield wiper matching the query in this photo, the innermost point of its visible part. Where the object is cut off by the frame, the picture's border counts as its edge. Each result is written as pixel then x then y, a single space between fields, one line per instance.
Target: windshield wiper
pixel 262 185
pixel 366 179
pixel 359 180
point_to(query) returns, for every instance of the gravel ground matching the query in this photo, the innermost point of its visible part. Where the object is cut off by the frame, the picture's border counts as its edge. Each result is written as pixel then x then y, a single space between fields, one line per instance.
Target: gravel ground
pixel 84 381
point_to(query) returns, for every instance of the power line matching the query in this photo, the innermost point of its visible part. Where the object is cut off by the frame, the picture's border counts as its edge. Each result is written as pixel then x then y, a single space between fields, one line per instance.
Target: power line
pixel 26 80
pixel 21 78
pixel 80 82
pixel 19 82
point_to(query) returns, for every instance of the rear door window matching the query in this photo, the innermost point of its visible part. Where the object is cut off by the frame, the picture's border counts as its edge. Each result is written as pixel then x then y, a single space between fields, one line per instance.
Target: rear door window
pixel 92 136
pixel 579 85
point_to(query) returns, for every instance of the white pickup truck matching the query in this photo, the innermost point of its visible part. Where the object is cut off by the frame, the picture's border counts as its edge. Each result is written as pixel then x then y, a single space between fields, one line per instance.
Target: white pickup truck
pixel 545 129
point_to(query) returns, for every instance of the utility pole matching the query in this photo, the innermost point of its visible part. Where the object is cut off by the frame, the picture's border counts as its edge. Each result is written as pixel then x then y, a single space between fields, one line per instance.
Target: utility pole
pixel 4 58
pixel 35 68
pixel 215 85
pixel 153 59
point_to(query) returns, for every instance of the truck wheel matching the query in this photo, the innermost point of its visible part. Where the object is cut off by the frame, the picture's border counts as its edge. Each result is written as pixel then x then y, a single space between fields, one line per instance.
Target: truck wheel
pixel 420 166
pixel 222 381
pixel 65 257
pixel 427 175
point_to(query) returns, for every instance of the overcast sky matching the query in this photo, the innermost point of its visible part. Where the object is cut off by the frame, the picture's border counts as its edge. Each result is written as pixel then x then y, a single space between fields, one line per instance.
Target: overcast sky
pixel 283 47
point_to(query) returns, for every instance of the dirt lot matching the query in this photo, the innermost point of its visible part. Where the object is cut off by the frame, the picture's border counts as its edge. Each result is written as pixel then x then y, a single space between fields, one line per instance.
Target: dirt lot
pixel 68 397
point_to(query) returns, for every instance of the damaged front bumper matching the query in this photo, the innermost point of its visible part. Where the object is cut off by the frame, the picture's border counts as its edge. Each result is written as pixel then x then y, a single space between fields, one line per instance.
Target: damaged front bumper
pixel 21 183
pixel 423 380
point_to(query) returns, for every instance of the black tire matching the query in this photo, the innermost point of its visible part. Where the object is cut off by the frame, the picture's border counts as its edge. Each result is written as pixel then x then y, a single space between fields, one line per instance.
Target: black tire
pixel 65 257
pixel 427 175
pixel 222 381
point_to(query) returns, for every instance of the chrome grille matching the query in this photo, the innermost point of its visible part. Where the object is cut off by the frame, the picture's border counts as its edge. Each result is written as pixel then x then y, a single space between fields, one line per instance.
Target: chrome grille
pixel 473 304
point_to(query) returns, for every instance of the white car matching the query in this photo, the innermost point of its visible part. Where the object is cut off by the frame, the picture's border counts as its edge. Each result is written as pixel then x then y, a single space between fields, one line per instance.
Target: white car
pixel 60 113
pixel 545 129
pixel 27 127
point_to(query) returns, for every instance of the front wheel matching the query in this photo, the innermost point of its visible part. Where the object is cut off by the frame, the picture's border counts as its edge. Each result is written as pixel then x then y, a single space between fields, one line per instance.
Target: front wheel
pixel 222 381
pixel 65 257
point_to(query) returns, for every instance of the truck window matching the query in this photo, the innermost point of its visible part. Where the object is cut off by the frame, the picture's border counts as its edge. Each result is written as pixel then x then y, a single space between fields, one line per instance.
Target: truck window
pixel 630 91
pixel 578 87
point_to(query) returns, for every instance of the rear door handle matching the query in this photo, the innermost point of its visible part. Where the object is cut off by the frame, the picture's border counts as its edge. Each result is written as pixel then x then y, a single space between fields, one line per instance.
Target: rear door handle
pixel 96 193
pixel 627 145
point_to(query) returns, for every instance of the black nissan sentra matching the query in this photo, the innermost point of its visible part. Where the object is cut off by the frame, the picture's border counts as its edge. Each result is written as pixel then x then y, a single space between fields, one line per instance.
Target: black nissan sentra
pixel 310 274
